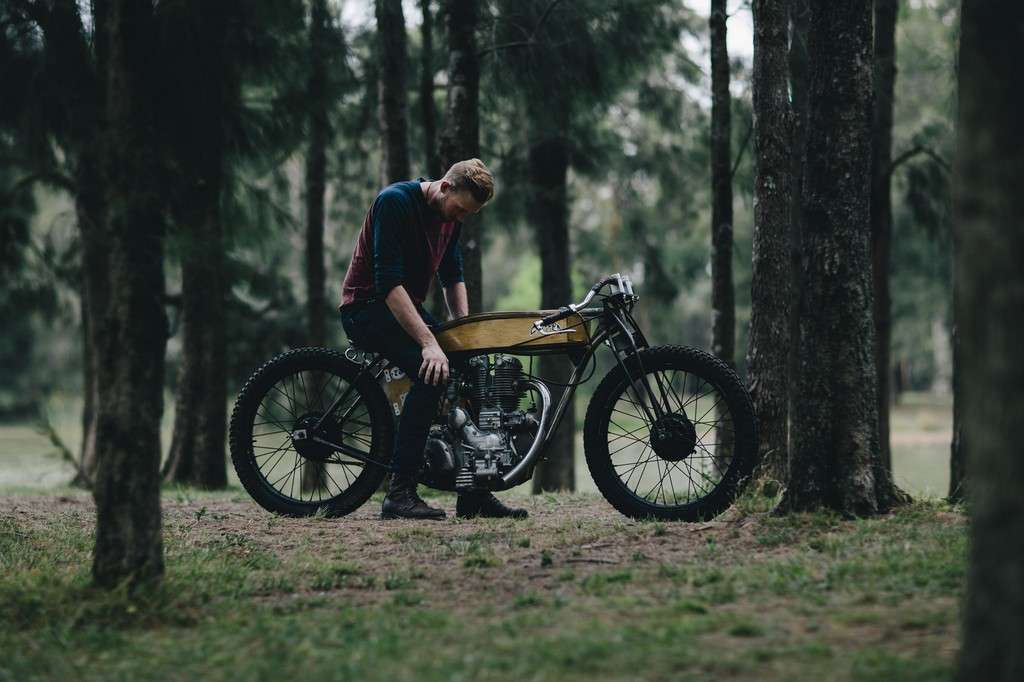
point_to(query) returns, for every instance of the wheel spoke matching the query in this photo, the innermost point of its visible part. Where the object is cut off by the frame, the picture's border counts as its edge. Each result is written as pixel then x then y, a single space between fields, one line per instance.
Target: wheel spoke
pixel 302 394
pixel 700 402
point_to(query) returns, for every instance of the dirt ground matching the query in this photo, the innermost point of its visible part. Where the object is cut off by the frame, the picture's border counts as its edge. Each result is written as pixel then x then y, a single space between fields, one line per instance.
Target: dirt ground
pixel 583 534
pixel 759 597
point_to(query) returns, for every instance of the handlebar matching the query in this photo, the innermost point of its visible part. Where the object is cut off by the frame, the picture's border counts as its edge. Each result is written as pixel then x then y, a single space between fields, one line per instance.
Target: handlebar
pixel 623 284
pixel 563 312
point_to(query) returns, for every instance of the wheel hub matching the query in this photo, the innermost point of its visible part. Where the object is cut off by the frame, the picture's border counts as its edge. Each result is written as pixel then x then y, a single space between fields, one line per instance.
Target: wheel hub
pixel 673 437
pixel 310 449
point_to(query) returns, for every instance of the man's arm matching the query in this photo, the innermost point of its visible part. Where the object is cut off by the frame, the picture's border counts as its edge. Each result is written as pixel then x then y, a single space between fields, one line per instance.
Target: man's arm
pixel 457 299
pixel 434 369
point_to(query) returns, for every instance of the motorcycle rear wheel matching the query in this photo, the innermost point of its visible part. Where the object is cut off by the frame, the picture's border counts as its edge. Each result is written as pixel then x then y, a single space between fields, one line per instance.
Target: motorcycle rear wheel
pixel 290 392
pixel 685 466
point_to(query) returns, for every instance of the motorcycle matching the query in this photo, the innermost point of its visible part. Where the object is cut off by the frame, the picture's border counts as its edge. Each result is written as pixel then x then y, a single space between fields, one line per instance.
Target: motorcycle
pixel 669 433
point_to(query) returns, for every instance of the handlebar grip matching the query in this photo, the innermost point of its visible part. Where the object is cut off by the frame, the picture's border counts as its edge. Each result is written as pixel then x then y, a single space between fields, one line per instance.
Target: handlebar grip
pixel 563 312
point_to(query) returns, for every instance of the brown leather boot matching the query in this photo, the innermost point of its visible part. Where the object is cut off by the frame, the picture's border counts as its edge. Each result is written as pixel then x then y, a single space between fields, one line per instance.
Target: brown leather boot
pixel 487 505
pixel 402 502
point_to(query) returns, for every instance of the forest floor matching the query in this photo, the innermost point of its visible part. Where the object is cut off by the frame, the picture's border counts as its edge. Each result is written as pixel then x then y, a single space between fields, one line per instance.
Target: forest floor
pixel 576 591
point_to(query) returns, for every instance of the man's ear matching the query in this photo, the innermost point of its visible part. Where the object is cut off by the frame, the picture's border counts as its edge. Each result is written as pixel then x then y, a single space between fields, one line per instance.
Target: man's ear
pixel 445 187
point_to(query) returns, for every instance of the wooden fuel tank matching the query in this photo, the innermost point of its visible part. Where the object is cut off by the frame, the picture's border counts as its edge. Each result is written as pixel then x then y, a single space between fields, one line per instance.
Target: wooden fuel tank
pixel 512 332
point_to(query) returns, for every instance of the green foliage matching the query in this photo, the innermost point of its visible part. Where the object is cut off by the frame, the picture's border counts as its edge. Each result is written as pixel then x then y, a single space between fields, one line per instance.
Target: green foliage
pixel 638 136
pixel 924 134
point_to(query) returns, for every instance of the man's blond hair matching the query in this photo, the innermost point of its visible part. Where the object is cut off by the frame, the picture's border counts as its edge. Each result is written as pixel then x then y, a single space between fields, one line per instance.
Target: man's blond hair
pixel 472 175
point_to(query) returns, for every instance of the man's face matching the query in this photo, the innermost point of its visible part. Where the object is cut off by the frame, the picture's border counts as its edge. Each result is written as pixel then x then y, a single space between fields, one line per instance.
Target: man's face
pixel 457 204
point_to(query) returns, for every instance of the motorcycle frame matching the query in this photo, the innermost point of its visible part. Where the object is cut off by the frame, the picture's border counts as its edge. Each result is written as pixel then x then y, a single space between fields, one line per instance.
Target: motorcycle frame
pixel 614 320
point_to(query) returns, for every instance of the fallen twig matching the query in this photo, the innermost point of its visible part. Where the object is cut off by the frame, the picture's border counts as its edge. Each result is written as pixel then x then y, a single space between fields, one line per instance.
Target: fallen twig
pixel 590 560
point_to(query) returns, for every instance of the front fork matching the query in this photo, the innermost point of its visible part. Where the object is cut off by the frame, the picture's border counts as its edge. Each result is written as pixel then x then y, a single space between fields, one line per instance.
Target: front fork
pixel 629 341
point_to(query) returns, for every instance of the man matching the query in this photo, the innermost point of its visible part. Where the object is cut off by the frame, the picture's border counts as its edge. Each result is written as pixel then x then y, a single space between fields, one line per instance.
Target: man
pixel 410 234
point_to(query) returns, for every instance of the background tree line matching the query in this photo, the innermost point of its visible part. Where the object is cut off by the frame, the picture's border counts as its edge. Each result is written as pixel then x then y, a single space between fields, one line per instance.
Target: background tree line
pixel 217 159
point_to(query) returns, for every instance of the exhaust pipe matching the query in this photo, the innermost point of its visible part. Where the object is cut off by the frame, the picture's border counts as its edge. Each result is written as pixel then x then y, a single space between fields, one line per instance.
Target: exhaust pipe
pixel 520 472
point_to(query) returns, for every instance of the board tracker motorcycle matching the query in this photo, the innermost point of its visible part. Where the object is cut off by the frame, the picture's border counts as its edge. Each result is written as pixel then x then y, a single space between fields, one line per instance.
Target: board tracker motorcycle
pixel 669 433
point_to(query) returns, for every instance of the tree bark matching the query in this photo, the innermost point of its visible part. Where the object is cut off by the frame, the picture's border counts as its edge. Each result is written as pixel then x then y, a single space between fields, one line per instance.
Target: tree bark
pixel 835 459
pixel 957 446
pixel 316 175
pixel 548 211
pixel 881 207
pixel 461 138
pixel 723 307
pixel 428 111
pixel 394 107
pixel 799 69
pixel 313 476
pixel 196 455
pixel 989 300
pixel 428 116
pixel 127 492
pixel 95 296
pixel 768 346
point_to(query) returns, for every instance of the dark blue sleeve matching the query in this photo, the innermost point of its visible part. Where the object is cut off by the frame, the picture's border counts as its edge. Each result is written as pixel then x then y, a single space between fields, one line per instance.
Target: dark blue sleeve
pixel 391 219
pixel 450 270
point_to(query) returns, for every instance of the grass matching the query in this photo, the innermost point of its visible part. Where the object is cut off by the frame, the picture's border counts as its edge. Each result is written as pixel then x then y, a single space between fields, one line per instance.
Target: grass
pixel 576 591
pixel 252 596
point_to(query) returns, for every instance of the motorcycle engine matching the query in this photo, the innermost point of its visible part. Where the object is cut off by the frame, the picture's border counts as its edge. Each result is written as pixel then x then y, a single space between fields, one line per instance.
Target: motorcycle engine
pixel 481 435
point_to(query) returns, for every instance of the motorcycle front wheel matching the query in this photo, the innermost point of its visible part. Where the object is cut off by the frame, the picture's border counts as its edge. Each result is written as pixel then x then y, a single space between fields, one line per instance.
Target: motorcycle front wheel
pixel 681 461
pixel 293 391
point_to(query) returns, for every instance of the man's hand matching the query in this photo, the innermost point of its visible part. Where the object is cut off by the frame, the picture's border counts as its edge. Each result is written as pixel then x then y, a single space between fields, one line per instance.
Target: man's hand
pixel 434 369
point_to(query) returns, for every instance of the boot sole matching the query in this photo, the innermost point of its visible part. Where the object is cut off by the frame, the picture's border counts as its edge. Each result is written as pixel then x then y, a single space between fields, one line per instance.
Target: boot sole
pixel 491 516
pixel 390 516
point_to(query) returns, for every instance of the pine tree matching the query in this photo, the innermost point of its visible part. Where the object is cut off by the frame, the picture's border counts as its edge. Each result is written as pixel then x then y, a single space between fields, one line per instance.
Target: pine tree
pixel 881 206
pixel 394 106
pixel 461 138
pixel 201 87
pixel 129 544
pixel 989 184
pixel 723 306
pixel 836 462
pixel 768 344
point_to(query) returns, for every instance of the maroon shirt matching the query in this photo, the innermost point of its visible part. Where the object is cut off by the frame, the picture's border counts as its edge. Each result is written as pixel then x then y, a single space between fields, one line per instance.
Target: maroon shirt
pixel 404 241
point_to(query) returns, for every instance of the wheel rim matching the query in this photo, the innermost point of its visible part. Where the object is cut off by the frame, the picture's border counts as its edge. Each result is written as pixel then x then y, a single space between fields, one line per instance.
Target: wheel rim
pixel 309 474
pixel 680 458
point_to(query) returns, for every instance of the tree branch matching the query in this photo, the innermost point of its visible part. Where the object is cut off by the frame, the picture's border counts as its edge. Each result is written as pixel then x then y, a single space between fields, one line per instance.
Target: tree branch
pixel 45 427
pixel 915 151
pixel 53 178
pixel 531 40
pixel 743 149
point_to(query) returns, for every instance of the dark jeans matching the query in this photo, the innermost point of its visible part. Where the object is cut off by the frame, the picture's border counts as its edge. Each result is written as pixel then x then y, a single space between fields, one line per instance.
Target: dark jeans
pixel 372 327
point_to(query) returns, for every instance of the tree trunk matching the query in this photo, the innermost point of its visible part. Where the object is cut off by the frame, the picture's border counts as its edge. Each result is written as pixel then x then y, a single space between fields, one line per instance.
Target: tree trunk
pixel 391 84
pixel 196 456
pixel 313 477
pixel 462 130
pixel 87 453
pixel 768 345
pixel 799 69
pixel 127 492
pixel 428 112
pixel 990 297
pixel 548 212
pixel 957 447
pixel 835 459
pixel 75 66
pixel 95 295
pixel 428 116
pixel 723 313
pixel 316 171
pixel 881 207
